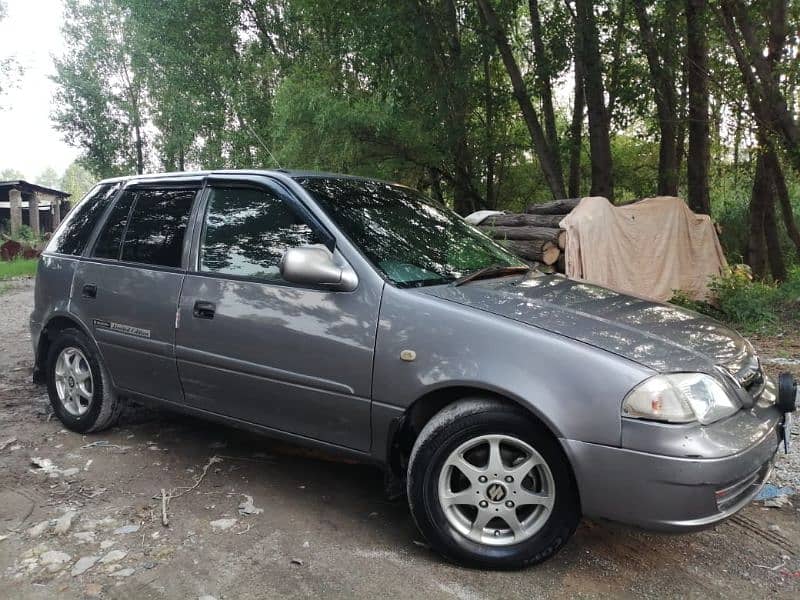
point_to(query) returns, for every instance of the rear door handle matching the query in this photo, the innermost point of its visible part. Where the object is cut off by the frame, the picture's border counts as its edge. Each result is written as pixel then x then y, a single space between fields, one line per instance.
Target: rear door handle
pixel 89 291
pixel 204 310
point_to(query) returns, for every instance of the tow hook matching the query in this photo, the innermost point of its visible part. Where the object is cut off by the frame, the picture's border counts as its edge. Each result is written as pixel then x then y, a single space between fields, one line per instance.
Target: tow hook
pixel 787 402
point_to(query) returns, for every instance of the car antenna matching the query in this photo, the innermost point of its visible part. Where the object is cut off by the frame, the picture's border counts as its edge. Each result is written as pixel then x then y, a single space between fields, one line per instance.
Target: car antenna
pixel 260 141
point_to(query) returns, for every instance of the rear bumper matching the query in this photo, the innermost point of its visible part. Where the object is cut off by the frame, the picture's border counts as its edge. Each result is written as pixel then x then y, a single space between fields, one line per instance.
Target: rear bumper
pixel 668 493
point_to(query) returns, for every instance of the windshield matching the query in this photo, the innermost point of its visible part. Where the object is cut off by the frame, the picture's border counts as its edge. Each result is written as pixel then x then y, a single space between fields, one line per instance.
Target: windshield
pixel 412 239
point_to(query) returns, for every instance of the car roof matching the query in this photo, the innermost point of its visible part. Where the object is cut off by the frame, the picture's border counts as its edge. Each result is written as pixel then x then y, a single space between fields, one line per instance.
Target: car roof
pixel 292 173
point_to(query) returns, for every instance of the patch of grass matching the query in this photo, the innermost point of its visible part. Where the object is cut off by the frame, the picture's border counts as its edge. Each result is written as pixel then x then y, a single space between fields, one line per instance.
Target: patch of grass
pixel 19 267
pixel 750 306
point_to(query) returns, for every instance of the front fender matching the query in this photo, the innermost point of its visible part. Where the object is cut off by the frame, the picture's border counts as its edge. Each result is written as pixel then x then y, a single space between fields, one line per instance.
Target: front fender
pixel 575 389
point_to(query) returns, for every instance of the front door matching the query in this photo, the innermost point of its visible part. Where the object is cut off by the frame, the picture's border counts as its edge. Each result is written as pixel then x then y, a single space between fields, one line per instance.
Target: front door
pixel 127 290
pixel 257 348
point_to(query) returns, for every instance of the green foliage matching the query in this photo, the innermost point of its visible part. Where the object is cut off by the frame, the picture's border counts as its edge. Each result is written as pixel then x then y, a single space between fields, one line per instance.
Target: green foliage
pixel 730 201
pixel 750 305
pixel 99 98
pixel 18 267
pixel 747 303
pixel 76 181
pixel 24 235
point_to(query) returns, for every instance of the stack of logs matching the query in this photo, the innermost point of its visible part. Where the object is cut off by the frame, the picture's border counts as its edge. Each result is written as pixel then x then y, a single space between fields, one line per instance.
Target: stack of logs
pixel 533 235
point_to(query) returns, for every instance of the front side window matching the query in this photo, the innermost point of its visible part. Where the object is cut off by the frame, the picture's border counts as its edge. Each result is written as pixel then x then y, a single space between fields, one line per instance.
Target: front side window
pixel 157 226
pixel 78 224
pixel 413 240
pixel 247 232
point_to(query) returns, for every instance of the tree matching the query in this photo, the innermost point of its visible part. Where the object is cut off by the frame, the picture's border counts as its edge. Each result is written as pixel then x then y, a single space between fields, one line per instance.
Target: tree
pixel 100 99
pixel 599 136
pixel 464 99
pixel 11 175
pixel 699 144
pixel 76 181
pixel 544 152
pixel 48 178
pixel 760 75
pixel 663 77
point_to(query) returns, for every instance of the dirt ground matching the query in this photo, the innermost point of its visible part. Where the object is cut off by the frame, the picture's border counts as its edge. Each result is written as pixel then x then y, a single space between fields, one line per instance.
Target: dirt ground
pixel 86 522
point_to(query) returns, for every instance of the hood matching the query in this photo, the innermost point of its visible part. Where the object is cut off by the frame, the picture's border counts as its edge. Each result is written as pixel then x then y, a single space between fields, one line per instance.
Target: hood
pixel 662 337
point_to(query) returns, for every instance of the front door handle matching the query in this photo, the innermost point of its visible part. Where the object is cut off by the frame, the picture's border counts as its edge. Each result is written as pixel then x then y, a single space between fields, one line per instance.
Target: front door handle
pixel 89 291
pixel 204 310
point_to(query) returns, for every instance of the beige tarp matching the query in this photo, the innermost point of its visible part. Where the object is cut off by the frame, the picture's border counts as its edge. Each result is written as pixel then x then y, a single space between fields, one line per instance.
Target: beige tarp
pixel 647 249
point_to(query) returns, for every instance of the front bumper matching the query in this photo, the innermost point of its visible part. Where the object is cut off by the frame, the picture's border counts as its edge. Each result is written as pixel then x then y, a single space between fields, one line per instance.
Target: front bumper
pixel 671 493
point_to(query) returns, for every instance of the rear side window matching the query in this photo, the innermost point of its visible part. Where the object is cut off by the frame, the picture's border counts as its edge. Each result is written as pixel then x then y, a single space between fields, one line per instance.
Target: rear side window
pixel 108 243
pixel 157 226
pixel 247 231
pixel 79 223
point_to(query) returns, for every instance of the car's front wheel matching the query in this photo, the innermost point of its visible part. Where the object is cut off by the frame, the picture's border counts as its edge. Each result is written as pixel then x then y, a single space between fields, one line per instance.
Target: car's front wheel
pixel 489 487
pixel 79 388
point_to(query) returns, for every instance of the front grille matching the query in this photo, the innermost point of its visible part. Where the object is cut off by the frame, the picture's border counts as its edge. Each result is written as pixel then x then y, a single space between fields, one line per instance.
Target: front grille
pixel 734 493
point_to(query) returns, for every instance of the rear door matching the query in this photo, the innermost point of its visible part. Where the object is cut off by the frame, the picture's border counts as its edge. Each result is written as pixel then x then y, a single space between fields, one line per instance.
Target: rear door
pixel 260 349
pixel 127 289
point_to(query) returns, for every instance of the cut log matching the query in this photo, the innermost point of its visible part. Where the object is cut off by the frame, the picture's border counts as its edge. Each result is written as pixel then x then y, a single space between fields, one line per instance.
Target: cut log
pixel 557 236
pixel 539 250
pixel 556 207
pixel 522 220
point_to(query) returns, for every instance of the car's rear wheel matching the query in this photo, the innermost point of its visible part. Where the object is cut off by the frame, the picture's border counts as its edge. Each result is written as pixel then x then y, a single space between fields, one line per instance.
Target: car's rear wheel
pixel 79 388
pixel 490 487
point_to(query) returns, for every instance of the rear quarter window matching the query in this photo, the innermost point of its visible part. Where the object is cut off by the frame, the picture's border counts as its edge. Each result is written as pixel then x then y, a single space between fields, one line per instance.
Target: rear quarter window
pixel 74 232
pixel 108 244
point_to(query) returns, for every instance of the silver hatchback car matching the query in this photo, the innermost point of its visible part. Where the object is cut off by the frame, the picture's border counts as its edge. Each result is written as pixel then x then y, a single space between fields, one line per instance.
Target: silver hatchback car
pixel 364 318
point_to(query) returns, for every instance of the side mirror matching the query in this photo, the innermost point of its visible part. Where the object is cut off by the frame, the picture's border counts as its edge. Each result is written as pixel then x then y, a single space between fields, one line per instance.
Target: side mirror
pixel 315 265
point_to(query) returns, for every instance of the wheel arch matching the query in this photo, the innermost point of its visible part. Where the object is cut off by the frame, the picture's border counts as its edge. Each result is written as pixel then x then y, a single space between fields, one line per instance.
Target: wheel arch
pixel 407 427
pixel 54 325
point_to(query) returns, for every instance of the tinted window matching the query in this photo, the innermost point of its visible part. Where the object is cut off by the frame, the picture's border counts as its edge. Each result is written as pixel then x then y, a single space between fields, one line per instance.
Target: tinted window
pixel 413 240
pixel 157 226
pixel 79 223
pixel 108 243
pixel 247 231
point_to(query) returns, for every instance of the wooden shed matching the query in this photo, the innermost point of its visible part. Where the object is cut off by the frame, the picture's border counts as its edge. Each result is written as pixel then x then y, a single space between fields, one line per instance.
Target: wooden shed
pixel 23 203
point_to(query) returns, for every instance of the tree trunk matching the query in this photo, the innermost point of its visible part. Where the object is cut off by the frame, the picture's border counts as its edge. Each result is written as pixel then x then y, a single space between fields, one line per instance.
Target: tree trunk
pixel 756 245
pixel 490 158
pixel 697 161
pixel 599 137
pixel 540 146
pixel 774 253
pixel 576 130
pixel 782 193
pixel 664 88
pixel 556 207
pixel 616 57
pixel 544 86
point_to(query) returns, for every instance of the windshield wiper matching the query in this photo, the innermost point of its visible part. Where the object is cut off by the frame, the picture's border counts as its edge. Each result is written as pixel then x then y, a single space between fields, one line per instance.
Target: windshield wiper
pixel 491 271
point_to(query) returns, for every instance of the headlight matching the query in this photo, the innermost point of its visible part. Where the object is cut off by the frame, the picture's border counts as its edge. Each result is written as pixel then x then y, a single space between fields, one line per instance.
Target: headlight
pixel 680 398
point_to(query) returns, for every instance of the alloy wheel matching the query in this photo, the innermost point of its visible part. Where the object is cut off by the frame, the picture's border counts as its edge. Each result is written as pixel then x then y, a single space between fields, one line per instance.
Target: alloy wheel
pixel 496 490
pixel 74 382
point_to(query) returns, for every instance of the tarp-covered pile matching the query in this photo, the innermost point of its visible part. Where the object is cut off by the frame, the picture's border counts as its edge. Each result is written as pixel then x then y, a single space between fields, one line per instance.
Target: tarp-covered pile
pixel 649 248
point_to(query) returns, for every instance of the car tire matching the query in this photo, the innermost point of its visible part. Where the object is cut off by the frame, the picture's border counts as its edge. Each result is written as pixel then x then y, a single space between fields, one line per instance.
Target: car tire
pixel 518 532
pixel 78 384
